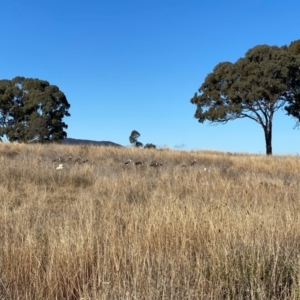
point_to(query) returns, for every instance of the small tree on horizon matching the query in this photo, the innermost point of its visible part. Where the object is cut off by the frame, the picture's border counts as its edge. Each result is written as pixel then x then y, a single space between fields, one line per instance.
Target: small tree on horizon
pixel 133 139
pixel 150 146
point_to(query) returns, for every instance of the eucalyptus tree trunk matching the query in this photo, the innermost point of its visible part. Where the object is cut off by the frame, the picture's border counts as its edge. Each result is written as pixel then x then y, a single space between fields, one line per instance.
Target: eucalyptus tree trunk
pixel 268 136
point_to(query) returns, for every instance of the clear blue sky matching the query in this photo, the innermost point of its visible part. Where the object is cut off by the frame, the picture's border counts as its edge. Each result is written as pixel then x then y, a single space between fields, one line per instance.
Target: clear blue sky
pixel 135 64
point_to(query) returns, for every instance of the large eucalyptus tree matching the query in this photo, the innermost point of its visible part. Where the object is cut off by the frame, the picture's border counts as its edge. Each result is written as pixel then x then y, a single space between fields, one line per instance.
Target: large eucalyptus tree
pixel 32 109
pixel 255 87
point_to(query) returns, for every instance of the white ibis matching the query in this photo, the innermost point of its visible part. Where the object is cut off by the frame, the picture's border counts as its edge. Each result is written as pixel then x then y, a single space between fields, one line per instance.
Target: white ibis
pixel 60 167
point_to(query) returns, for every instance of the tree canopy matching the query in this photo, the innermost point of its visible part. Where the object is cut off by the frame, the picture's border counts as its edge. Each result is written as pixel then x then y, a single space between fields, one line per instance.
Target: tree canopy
pixel 255 87
pixel 294 47
pixel 133 139
pixel 32 109
pixel 149 146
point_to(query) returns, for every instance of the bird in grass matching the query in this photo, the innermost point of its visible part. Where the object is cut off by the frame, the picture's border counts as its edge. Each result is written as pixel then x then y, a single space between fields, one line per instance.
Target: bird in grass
pixel 139 163
pixel 60 167
pixel 155 164
pixel 184 166
pixel 128 162
pixel 85 160
pixel 193 162
pixel 56 159
pixel 77 160
pixel 69 159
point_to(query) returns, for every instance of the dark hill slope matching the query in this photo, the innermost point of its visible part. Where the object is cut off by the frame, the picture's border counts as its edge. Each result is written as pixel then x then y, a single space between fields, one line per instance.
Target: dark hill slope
pixel 70 141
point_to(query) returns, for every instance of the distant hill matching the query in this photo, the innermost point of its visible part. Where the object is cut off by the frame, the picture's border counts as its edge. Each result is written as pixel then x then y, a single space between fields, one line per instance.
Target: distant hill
pixel 70 141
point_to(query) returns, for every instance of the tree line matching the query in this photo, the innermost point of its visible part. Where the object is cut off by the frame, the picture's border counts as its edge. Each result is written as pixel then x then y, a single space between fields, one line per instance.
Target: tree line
pixel 257 85
pixel 133 139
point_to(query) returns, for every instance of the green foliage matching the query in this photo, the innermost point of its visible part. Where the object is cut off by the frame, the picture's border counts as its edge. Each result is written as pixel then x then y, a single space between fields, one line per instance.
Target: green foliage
pixel 150 146
pixel 133 139
pixel 32 109
pixel 294 47
pixel 255 87
pixel 139 144
pixel 134 136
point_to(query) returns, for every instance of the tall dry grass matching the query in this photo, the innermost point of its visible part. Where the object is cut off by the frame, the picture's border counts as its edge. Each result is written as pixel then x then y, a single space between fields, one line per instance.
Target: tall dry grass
pixel 102 230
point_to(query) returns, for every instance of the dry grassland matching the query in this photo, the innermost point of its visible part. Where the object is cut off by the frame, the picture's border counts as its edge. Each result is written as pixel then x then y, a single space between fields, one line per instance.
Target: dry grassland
pixel 102 230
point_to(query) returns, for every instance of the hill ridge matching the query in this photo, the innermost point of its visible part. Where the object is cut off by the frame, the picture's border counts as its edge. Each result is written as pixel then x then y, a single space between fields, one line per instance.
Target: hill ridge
pixel 72 141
